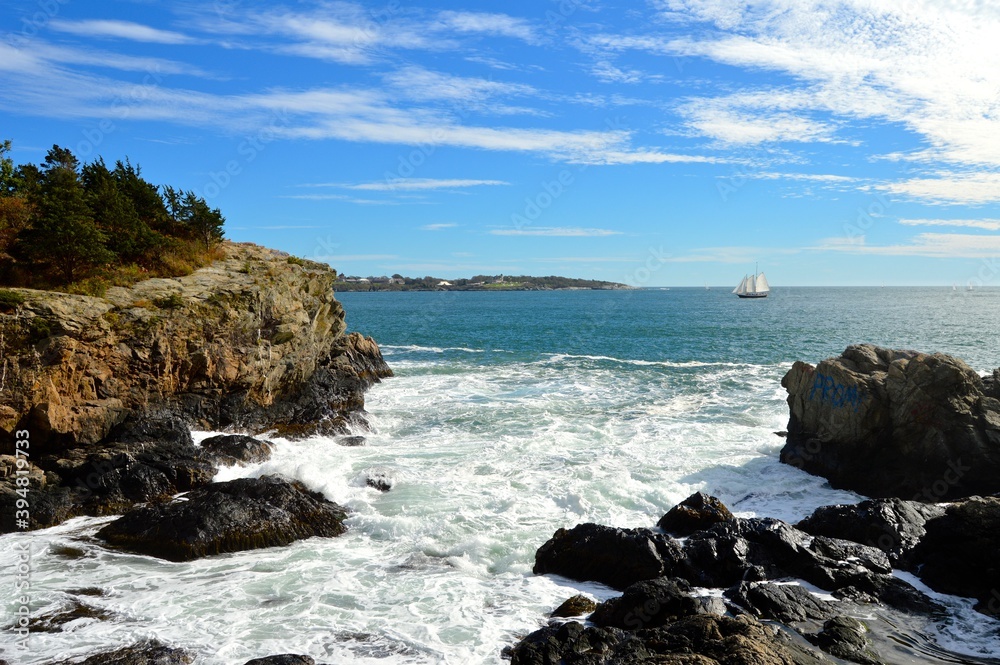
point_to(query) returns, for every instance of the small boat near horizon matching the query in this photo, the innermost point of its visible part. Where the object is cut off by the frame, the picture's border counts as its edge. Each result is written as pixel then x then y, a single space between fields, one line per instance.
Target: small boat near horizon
pixel 753 286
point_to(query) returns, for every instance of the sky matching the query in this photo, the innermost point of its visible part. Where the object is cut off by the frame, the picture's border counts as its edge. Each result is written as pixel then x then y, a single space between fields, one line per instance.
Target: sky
pixel 652 142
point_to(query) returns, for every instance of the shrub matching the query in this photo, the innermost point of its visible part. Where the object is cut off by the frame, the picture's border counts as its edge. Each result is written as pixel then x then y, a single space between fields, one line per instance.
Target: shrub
pixel 173 301
pixel 10 299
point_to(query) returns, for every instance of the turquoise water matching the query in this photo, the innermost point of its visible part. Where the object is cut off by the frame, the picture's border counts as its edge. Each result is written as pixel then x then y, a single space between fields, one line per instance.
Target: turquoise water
pixel 511 415
pixel 686 324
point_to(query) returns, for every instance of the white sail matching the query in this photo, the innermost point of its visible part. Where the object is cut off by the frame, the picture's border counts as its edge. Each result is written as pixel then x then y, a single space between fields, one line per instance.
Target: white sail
pixel 742 288
pixel 752 284
pixel 762 285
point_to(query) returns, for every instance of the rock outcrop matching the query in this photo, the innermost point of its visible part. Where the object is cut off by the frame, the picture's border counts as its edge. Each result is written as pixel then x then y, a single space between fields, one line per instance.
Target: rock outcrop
pixel 889 423
pixel 762 568
pixel 254 342
pixel 242 514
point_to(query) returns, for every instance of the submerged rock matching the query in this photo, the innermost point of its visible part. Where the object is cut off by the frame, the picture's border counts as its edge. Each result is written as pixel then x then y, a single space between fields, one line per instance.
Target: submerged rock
pixel 846 637
pixel 283 659
pixel 698 511
pixel 247 513
pixel 143 653
pixel 890 423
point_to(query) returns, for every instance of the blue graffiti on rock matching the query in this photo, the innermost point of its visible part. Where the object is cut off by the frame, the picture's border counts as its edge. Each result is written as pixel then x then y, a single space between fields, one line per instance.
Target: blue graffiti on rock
pixel 838 395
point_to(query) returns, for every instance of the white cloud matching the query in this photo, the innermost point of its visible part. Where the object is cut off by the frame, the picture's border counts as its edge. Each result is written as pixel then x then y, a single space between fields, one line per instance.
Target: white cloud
pixel 930 67
pixel 120 30
pixel 985 224
pixel 437 227
pixel 950 188
pixel 492 24
pixel 932 245
pixel 556 232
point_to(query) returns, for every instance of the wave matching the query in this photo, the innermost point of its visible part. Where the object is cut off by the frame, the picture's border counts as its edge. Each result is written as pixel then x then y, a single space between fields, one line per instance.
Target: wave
pixel 559 357
pixel 392 348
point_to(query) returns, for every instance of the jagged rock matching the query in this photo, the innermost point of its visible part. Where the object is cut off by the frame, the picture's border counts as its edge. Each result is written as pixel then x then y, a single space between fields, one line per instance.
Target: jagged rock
pixel 230 449
pixel 961 552
pixel 578 605
pixel 254 342
pixel 743 549
pixel 892 525
pixel 143 653
pixel 787 603
pixel 845 637
pixel 283 659
pixel 55 621
pixel 891 423
pixel 698 511
pixel 616 557
pixel 652 604
pixel 696 640
pixel 242 514
pixel 350 441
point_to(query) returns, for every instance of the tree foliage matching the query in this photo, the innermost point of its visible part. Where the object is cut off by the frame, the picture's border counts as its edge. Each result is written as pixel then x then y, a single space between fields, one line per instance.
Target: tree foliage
pixel 65 221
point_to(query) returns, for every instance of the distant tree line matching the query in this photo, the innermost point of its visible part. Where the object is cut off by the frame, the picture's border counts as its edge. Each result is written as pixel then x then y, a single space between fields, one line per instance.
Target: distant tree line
pixel 63 223
pixel 476 283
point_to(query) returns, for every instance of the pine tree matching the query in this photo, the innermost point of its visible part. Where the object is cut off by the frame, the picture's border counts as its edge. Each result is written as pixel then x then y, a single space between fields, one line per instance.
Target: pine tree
pixel 129 238
pixel 64 235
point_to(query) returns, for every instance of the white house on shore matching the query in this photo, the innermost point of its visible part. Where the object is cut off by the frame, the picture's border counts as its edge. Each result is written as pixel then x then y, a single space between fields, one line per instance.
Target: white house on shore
pixel 444 283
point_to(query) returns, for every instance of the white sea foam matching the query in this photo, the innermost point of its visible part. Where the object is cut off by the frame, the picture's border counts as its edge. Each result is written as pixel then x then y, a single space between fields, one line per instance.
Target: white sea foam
pixel 489 460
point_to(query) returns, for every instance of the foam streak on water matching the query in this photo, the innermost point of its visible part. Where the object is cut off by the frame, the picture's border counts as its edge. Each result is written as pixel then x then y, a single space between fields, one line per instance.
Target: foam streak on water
pixel 493 445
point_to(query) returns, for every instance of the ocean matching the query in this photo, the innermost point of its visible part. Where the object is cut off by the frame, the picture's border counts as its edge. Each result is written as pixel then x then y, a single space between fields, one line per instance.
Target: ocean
pixel 511 414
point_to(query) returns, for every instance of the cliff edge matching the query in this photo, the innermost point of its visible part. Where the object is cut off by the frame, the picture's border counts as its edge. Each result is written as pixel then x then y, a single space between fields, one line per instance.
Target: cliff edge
pixel 254 342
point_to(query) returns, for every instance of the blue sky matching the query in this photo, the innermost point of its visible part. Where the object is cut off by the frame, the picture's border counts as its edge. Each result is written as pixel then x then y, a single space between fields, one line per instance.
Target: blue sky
pixel 666 142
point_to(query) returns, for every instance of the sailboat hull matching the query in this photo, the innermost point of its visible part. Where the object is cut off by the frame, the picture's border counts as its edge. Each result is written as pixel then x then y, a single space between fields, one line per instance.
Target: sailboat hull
pixel 752 295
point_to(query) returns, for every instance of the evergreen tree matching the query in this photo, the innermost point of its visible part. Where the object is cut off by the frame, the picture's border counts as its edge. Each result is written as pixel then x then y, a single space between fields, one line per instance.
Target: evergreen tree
pixel 129 238
pixel 64 235
pixel 193 213
pixel 145 197
pixel 8 183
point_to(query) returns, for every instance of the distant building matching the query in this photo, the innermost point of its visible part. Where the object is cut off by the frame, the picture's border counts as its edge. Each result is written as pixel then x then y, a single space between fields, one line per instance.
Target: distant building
pixel 396 280
pixel 444 284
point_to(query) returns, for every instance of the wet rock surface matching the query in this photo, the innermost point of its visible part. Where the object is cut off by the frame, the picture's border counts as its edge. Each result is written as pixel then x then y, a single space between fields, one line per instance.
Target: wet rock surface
pixel 247 513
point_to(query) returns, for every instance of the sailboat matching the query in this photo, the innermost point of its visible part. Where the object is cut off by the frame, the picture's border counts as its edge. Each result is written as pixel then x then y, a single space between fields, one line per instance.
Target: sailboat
pixel 753 286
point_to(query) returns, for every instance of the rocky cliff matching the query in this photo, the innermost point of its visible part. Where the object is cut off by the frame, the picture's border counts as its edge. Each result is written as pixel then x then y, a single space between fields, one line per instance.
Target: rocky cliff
pixel 890 423
pixel 253 342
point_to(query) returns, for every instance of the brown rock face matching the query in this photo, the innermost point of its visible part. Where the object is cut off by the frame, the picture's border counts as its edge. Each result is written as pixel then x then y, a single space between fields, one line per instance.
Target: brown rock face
pixel 252 342
pixel 890 423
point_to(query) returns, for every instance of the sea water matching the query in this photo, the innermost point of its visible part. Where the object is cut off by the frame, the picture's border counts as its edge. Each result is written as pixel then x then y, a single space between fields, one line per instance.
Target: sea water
pixel 511 415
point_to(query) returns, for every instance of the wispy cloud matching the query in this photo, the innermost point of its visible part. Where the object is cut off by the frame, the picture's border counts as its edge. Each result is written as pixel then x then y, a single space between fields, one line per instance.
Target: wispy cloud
pixel 950 188
pixel 347 258
pixel 414 184
pixel 932 245
pixel 985 224
pixel 500 25
pixel 437 227
pixel 121 30
pixel 556 232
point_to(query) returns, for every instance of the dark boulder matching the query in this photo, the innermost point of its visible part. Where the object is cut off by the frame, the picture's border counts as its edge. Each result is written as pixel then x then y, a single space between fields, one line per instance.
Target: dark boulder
pixel 231 449
pixel 846 638
pixel 891 423
pixel 652 604
pixel 283 659
pixel 152 427
pixel 698 511
pixel 350 441
pixel 247 513
pixel 787 603
pixel 961 552
pixel 143 653
pixel 616 557
pixel 578 605
pixel 742 549
pixel 703 639
pixel 892 525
